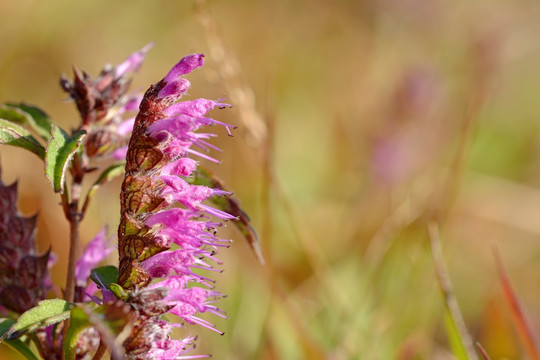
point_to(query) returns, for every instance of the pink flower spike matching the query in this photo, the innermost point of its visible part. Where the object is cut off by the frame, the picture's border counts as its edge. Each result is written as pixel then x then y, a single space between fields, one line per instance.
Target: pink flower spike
pixel 173 349
pixel 133 62
pixel 196 108
pixel 133 103
pixel 186 65
pixel 217 213
pixel 209 158
pixel 174 90
pixel 169 218
pixel 182 167
pixel 95 252
pixel 172 282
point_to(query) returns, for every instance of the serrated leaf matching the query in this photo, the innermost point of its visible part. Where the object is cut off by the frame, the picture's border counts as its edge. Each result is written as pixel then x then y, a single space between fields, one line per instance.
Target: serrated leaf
pixel 36 118
pixel 77 324
pixel 60 150
pixel 47 312
pixel 15 135
pixel 104 275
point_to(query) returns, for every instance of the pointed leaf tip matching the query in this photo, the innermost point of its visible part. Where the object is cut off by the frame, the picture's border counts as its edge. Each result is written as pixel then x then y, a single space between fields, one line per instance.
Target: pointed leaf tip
pixel 59 152
pixel 15 135
pixel 47 312
pixel 36 118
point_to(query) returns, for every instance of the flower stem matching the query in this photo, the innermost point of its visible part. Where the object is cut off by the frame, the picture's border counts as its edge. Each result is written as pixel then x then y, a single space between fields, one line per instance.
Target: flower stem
pixel 74 217
pixel 73 247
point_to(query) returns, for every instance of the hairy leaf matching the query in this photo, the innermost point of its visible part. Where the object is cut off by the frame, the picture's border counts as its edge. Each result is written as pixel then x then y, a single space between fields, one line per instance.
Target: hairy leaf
pixel 15 135
pixel 60 150
pixel 36 118
pixel 47 312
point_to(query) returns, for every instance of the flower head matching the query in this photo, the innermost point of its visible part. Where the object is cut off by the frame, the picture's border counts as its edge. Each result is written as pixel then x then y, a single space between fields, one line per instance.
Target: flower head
pixel 104 105
pixel 166 230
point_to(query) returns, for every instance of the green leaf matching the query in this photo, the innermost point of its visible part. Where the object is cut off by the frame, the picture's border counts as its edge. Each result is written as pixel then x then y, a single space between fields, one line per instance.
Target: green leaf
pixel 36 118
pixel 118 291
pixel 17 344
pixel 47 312
pixel 22 348
pixel 60 150
pixel 5 325
pixel 77 324
pixel 458 337
pixel 104 275
pixel 454 336
pixel 15 135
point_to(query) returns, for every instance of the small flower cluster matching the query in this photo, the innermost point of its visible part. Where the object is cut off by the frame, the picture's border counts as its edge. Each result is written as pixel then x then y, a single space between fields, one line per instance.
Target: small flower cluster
pixel 166 231
pixel 103 104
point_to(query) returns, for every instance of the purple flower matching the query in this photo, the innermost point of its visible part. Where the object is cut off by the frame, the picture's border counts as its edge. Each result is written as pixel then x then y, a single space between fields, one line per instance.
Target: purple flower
pixel 133 62
pixel 166 230
pixel 104 105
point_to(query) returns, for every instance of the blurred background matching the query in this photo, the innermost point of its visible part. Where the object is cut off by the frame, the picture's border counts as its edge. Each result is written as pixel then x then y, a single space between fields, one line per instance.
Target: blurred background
pixel 360 123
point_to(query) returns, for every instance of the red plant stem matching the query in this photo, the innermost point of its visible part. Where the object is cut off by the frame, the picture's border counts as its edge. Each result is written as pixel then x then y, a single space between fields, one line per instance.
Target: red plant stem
pixel 74 218
pixel 516 312
pixel 483 351
pixel 73 247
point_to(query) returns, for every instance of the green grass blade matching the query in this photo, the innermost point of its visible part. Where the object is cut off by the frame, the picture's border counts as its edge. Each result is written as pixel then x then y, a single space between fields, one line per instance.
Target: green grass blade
pixel 458 336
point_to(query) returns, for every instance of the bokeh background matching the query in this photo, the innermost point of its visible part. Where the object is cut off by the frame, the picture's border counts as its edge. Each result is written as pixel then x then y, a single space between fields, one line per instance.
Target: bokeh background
pixel 360 123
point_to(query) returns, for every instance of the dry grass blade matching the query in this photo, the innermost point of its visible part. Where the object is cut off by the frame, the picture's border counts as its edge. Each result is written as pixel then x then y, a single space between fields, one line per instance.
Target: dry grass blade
pixel 516 312
pixel 459 338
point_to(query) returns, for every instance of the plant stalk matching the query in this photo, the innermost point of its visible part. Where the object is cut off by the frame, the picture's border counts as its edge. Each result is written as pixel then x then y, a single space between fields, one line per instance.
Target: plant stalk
pixel 73 247
pixel 74 218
